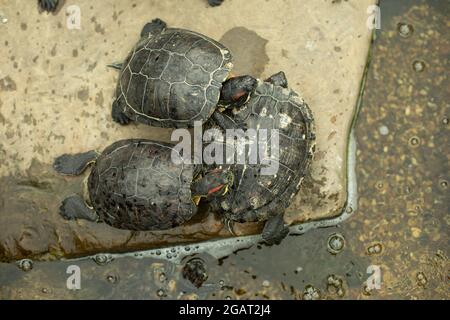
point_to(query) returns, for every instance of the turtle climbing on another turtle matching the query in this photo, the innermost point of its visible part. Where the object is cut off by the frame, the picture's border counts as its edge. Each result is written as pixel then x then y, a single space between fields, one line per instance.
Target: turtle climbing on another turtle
pixel 174 77
pixel 48 5
pixel 258 196
pixel 135 185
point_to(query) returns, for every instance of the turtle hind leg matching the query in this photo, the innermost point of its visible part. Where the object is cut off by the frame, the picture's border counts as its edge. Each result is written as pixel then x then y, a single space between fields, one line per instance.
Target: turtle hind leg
pixel 74 207
pixel 274 230
pixel 118 115
pixel 278 79
pixel 74 164
pixel 48 5
pixel 215 3
pixel 153 28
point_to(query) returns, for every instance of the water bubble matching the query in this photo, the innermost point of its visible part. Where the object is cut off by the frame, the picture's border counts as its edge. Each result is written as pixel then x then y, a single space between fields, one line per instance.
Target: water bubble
pixel 112 278
pixel 160 293
pixel 335 243
pixel 443 184
pixel 298 270
pixel 187 248
pixel 366 290
pixel 421 279
pixel 414 141
pixel 158 252
pixel 102 259
pixel 44 290
pixel 311 293
pixel 418 66
pixel 375 249
pixel 445 121
pixel 25 264
pixel 227 298
pixel 266 283
pixel 405 30
pixel 383 130
pixel 162 277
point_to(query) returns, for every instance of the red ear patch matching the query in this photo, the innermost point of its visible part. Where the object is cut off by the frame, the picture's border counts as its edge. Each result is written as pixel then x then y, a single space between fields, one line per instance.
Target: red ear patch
pixel 215 189
pixel 238 95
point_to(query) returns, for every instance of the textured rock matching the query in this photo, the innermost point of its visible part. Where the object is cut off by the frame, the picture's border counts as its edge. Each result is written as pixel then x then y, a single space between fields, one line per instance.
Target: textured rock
pixel 56 93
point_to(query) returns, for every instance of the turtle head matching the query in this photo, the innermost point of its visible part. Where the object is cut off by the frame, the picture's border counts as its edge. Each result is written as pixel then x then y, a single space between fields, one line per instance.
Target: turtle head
pixel 212 184
pixel 236 91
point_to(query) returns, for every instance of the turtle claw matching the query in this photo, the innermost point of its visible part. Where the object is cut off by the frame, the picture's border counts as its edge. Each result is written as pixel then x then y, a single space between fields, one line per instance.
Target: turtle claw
pixel 229 223
pixel 48 5
pixel 121 119
pixel 215 3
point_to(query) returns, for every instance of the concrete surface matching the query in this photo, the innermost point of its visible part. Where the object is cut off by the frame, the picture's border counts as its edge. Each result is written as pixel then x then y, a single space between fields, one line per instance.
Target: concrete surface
pixel 56 94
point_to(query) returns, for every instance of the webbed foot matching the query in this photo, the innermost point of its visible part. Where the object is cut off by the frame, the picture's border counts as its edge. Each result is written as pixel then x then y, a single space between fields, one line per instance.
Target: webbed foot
pixel 274 230
pixel 278 79
pixel 74 164
pixel 118 115
pixel 153 28
pixel 74 207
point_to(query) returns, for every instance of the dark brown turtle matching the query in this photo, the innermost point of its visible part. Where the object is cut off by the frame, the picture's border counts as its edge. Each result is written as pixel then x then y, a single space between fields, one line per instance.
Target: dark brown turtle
pixel 135 184
pixel 174 77
pixel 259 197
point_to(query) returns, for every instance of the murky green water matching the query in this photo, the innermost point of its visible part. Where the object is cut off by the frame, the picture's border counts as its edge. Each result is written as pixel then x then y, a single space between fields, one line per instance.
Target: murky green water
pixel 401 227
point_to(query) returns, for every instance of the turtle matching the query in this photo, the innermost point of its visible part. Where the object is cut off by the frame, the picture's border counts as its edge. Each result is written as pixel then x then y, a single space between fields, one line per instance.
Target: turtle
pixel 174 77
pixel 264 197
pixel 51 5
pixel 135 185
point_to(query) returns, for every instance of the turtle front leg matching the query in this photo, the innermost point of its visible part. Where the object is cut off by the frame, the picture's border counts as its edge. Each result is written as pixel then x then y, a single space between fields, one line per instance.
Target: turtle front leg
pixel 275 230
pixel 118 115
pixel 48 5
pixel 236 91
pixel 153 28
pixel 225 122
pixel 74 164
pixel 278 79
pixel 74 207
pixel 215 3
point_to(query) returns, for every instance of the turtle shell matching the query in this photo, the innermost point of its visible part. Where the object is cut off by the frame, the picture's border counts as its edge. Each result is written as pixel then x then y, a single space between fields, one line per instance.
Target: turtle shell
pixel 135 185
pixel 173 78
pixel 254 190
